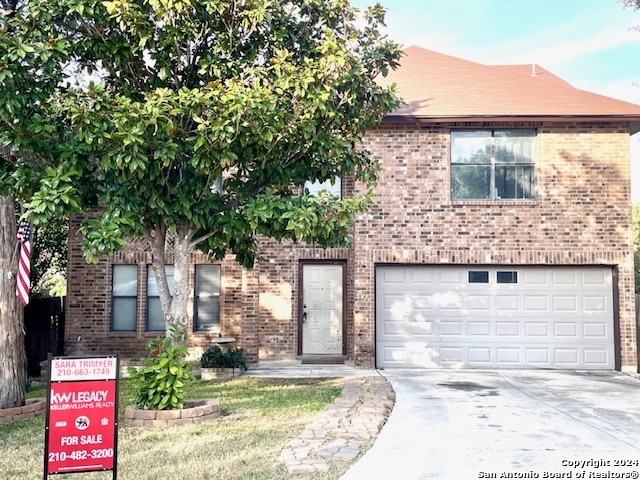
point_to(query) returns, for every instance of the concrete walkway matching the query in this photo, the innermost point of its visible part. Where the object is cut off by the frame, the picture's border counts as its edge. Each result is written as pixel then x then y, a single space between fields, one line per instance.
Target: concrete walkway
pixel 295 369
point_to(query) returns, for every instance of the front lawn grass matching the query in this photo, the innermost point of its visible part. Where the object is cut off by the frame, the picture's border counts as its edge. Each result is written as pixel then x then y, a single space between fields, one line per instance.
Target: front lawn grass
pixel 259 416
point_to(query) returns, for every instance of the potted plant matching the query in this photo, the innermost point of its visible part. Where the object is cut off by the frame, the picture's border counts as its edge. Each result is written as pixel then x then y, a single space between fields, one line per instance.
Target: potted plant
pixel 219 362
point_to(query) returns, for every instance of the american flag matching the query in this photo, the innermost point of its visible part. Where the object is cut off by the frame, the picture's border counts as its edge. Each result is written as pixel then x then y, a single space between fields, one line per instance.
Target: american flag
pixel 23 285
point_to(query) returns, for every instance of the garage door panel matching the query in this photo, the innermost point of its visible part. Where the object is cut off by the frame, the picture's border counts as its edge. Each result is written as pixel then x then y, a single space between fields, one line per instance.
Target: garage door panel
pixel 448 300
pixel 594 303
pixel 394 275
pixel 567 357
pixel 596 357
pixel 508 329
pixel 536 303
pixel 594 277
pixel 507 303
pixel 565 329
pixel 394 329
pixel 551 318
pixel 394 355
pixel 596 330
pixel 509 355
pixel 535 277
pixel 539 357
pixel 564 277
pixel 568 303
pixel 418 276
pixel 479 302
pixel 422 329
pixel 537 329
pixel 422 302
pixel 450 276
pixel 480 356
pixel 448 329
pixel 479 329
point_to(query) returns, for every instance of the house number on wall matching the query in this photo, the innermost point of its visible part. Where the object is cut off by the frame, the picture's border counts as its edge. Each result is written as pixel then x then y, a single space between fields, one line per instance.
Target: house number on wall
pixel 499 258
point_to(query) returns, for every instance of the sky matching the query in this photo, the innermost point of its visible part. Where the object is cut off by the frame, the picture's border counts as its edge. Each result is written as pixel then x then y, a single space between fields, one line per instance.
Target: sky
pixel 592 44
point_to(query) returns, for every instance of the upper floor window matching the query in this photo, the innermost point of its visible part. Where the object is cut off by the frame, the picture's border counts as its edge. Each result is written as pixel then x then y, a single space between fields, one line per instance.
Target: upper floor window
pixel 492 164
pixel 333 187
pixel 155 317
pixel 206 302
pixel 124 298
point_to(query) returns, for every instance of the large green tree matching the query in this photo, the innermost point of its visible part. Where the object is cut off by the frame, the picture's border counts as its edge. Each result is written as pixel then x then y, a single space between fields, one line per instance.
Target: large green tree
pixel 198 122
pixel 31 56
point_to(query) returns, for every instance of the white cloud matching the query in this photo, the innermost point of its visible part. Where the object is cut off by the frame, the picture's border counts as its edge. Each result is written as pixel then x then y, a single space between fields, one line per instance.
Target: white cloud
pixel 624 89
pixel 556 54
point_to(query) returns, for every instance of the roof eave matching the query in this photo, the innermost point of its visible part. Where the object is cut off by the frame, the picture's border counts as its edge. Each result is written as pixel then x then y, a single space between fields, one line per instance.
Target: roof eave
pixel 634 120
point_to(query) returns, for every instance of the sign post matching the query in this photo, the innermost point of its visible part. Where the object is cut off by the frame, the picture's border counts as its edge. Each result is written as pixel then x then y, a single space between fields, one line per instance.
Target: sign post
pixel 81 431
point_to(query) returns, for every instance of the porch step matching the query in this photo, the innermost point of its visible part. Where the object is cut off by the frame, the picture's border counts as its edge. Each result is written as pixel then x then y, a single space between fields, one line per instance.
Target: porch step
pixel 322 360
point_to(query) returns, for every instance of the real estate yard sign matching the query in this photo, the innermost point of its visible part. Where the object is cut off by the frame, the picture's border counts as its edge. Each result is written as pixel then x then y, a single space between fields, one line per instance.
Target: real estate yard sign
pixel 81 431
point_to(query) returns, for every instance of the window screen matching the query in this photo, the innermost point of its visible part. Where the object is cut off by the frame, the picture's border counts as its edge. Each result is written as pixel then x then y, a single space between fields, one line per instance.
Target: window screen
pixel 207 298
pixel 155 317
pixel 124 298
pixel 492 164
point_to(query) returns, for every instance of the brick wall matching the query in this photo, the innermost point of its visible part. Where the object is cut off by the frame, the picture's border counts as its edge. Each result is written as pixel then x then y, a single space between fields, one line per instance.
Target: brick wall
pixel 89 301
pixel 581 215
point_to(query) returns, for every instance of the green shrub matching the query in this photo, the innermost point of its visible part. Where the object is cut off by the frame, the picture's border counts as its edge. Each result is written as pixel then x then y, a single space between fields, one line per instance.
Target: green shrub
pixel 163 374
pixel 215 357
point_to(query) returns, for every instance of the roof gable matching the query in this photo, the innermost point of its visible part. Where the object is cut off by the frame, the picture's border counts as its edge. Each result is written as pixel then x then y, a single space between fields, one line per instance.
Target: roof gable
pixel 438 86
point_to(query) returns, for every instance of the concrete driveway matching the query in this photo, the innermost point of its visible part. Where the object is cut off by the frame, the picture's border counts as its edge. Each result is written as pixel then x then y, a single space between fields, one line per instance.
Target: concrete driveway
pixel 472 424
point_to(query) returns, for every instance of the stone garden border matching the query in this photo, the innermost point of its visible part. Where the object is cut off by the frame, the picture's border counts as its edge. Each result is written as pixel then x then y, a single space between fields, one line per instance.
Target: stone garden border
pixel 193 411
pixel 32 407
pixel 219 373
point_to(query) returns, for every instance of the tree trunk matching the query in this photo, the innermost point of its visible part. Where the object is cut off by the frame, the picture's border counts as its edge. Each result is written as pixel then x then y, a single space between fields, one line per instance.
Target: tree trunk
pixel 174 307
pixel 12 372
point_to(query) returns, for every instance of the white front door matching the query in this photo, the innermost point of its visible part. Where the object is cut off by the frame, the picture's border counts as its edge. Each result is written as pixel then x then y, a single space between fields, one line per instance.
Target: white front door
pixel 321 309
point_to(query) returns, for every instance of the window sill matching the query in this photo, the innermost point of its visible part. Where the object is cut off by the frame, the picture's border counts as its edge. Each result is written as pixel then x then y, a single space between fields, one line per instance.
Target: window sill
pixel 529 203
pixel 210 331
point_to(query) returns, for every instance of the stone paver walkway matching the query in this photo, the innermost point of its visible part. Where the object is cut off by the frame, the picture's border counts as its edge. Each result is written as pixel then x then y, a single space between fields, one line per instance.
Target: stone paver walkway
pixel 349 423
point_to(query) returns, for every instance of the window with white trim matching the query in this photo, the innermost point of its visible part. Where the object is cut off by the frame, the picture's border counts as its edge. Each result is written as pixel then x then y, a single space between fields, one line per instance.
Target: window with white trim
pixel 155 317
pixel 493 164
pixel 124 298
pixel 206 302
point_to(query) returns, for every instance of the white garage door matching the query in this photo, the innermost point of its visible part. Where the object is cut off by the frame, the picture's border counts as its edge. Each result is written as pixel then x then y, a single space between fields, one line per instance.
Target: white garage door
pixel 521 317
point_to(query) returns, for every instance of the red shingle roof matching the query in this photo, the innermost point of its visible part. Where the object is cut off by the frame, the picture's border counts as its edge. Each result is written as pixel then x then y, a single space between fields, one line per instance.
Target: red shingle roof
pixel 437 86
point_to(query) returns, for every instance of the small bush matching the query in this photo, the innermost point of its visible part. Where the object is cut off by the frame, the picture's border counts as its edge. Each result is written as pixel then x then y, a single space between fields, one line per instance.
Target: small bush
pixel 163 374
pixel 215 357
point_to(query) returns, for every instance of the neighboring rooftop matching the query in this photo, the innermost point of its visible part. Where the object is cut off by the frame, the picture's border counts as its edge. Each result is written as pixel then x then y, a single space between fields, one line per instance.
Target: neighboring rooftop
pixel 438 87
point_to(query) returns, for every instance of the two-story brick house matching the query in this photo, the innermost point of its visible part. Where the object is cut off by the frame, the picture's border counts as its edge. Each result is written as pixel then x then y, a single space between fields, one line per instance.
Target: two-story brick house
pixel 500 237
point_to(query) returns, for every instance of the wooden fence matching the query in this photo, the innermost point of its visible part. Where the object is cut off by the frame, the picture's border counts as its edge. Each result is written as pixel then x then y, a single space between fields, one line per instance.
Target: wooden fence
pixel 44 326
